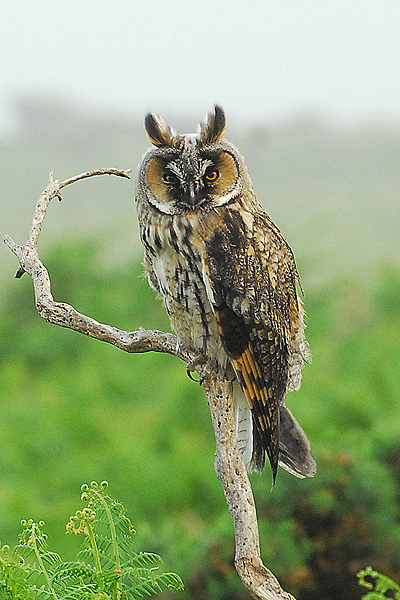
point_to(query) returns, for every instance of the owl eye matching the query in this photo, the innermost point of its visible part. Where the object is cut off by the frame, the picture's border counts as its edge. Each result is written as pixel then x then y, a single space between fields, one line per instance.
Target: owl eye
pixel 212 175
pixel 170 178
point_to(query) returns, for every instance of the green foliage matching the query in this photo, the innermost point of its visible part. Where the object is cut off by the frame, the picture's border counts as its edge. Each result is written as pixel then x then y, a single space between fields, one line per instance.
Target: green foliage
pixel 73 409
pixel 106 568
pixel 382 587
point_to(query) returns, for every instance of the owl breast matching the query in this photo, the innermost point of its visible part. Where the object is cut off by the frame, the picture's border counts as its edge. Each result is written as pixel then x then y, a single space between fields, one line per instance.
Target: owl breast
pixel 175 263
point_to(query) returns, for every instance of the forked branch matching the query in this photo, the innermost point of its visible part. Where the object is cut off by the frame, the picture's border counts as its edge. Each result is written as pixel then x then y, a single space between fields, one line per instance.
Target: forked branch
pixel 257 579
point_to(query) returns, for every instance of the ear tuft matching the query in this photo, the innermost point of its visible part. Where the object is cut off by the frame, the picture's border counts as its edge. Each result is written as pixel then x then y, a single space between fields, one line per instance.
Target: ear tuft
pixel 214 128
pixel 157 131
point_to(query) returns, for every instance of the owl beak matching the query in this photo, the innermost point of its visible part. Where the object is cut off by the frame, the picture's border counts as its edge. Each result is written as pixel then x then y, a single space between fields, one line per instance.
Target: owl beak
pixel 191 194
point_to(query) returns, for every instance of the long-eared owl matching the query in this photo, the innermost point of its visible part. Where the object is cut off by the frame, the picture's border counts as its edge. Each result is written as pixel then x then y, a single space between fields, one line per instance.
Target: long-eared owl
pixel 229 282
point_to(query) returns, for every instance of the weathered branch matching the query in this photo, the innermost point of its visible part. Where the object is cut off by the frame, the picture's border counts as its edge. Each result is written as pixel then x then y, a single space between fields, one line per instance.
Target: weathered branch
pixel 257 579
pixel 231 472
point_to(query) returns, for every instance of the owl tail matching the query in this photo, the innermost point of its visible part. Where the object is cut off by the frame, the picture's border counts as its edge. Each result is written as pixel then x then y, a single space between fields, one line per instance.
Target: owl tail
pixel 294 448
pixel 249 442
pixel 244 435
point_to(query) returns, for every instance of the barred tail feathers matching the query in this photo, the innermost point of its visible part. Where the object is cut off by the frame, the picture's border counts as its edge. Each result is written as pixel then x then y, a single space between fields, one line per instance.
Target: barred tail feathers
pixel 294 447
pixel 249 442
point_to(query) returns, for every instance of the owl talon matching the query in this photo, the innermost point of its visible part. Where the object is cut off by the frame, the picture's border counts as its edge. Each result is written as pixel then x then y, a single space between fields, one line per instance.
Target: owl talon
pixel 189 371
pixel 195 364
pixel 202 377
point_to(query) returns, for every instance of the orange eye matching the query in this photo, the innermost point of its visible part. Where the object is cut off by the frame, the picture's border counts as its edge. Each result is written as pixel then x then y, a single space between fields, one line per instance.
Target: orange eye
pixel 212 175
pixel 169 178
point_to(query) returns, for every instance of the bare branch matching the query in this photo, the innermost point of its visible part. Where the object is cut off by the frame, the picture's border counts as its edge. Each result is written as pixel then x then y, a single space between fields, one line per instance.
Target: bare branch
pixel 257 579
pixel 111 171
pixel 65 315
pixel 53 191
pixel 231 472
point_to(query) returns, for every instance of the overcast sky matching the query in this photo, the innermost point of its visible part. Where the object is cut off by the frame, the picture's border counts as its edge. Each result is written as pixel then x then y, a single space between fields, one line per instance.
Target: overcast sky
pixel 257 58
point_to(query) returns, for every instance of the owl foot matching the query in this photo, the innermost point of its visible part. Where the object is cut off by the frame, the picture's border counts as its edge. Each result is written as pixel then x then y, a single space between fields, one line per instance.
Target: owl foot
pixel 203 365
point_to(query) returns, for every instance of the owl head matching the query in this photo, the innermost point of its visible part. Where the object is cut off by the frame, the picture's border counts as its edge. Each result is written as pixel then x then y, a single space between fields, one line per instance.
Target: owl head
pixel 190 172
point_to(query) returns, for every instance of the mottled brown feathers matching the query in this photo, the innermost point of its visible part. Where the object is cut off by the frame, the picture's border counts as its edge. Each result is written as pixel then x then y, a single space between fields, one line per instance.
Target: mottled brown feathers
pixel 160 134
pixel 263 400
pixel 253 320
pixel 214 128
pixel 228 280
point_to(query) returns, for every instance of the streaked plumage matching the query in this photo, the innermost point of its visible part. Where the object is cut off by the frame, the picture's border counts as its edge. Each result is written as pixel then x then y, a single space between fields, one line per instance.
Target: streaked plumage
pixel 228 280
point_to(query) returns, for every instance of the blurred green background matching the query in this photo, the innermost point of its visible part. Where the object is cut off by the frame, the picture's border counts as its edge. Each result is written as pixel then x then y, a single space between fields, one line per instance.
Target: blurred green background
pixel 73 409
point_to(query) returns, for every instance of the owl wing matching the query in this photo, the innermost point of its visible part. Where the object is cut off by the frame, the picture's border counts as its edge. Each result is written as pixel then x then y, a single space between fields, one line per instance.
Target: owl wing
pixel 251 277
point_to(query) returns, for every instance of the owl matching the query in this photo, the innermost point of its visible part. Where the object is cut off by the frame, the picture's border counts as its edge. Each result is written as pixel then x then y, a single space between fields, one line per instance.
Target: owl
pixel 229 282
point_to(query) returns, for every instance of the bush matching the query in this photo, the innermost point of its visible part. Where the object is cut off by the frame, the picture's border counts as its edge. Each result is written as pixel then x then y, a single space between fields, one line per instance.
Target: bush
pixel 106 568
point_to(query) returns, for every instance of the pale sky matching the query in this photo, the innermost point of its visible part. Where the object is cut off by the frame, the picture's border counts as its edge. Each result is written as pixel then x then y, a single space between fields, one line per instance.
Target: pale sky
pixel 257 58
